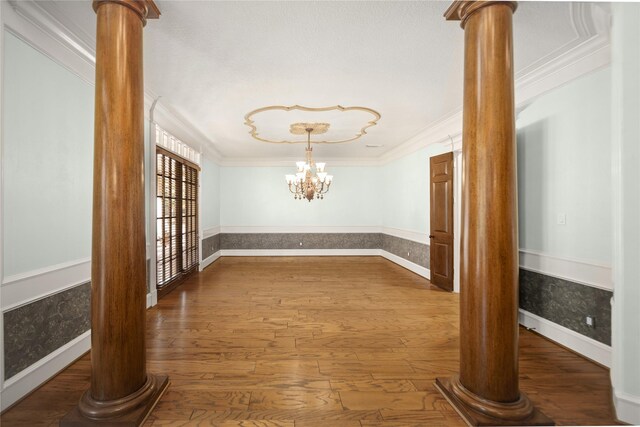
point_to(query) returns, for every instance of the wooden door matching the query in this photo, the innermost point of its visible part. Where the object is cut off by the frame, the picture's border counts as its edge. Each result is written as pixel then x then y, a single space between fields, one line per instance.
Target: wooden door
pixel 441 235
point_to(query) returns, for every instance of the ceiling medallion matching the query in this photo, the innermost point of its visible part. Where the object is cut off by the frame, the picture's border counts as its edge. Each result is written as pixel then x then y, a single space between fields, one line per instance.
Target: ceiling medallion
pixel 303 128
pixel 248 120
pixel 310 179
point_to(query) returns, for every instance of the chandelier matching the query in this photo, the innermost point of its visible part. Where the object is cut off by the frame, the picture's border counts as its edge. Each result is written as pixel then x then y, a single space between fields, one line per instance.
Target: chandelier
pixel 310 179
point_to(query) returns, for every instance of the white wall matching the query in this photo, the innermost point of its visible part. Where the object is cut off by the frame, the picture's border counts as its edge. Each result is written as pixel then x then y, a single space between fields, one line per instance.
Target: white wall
pixel 625 372
pixel 209 194
pixel 564 167
pixel 394 195
pixel 406 190
pixel 47 161
pixel 258 196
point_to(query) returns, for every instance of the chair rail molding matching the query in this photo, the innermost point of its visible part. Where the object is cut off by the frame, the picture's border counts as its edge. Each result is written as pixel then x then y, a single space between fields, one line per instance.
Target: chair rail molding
pixel 414 236
pixel 25 288
pixel 589 273
pixel 210 232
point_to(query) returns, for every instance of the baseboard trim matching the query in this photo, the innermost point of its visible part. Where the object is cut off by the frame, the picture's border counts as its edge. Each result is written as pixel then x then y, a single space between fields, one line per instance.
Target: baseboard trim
pixel 295 229
pixel 210 259
pixel 588 347
pixel 299 252
pixel 152 298
pixel 21 384
pixel 419 270
pixel 627 407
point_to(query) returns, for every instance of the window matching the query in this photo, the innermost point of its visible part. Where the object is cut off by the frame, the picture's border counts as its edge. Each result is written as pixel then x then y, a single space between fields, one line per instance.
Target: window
pixel 177 217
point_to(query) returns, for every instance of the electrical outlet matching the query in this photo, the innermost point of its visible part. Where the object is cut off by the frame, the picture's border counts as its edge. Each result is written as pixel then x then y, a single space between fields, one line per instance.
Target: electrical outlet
pixel 590 321
pixel 409 253
pixel 300 243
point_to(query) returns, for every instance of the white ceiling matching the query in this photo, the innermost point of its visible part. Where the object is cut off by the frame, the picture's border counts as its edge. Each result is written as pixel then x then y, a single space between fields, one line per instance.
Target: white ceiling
pixel 213 62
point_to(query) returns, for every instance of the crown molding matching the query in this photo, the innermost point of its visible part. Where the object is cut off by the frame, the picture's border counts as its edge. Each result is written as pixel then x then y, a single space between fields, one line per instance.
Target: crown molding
pixel 46 17
pixel 590 50
pixel 447 130
pixel 174 123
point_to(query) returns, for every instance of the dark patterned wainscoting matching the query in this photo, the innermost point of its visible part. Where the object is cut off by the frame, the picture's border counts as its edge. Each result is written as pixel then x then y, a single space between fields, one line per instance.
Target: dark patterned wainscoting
pixel 34 330
pixel 417 253
pixel 567 303
pixel 210 245
pixel 300 240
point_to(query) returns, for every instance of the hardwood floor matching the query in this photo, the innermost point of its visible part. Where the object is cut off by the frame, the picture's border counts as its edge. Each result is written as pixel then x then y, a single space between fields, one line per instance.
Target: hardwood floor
pixel 326 341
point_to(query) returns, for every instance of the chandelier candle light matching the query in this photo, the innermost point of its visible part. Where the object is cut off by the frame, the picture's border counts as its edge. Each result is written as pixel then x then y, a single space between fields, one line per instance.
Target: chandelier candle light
pixel 310 179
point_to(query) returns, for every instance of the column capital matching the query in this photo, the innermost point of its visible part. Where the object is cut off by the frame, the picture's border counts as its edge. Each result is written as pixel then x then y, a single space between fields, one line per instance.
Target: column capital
pixel 461 10
pixel 145 9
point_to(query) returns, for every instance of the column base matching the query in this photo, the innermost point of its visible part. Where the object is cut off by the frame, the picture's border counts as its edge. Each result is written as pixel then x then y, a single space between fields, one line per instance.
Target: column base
pixel 131 410
pixel 476 411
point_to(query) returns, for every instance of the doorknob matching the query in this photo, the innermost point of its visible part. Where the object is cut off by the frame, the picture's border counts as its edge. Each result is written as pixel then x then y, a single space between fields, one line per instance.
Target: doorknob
pixel 431 236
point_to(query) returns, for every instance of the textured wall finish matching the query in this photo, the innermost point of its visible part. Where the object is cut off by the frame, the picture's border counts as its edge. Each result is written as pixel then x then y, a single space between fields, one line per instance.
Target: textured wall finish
pixel 567 303
pixel 210 245
pixel 33 331
pixel 294 240
pixel 417 253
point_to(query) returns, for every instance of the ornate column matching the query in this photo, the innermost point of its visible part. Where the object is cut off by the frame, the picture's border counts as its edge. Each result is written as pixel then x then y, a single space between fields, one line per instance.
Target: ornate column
pixel 486 392
pixel 121 393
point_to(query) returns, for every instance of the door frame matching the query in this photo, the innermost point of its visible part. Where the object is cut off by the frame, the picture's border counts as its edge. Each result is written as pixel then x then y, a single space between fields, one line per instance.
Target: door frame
pixel 453 144
pixel 457 212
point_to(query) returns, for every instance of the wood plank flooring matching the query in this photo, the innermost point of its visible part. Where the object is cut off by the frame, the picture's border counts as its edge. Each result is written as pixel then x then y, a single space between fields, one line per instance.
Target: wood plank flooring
pixel 326 341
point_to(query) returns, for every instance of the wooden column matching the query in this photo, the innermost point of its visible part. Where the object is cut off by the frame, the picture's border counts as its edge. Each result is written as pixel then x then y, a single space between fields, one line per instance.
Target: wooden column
pixel 122 392
pixel 486 392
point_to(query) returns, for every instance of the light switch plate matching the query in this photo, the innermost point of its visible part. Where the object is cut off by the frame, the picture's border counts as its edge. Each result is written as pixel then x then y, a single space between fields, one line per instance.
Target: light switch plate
pixel 562 219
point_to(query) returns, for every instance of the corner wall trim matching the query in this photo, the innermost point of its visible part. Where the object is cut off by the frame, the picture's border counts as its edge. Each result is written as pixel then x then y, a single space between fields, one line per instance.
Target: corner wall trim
pixel 627 407
pixel 32 377
pixel 586 346
pixel 209 260
pixel 579 271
